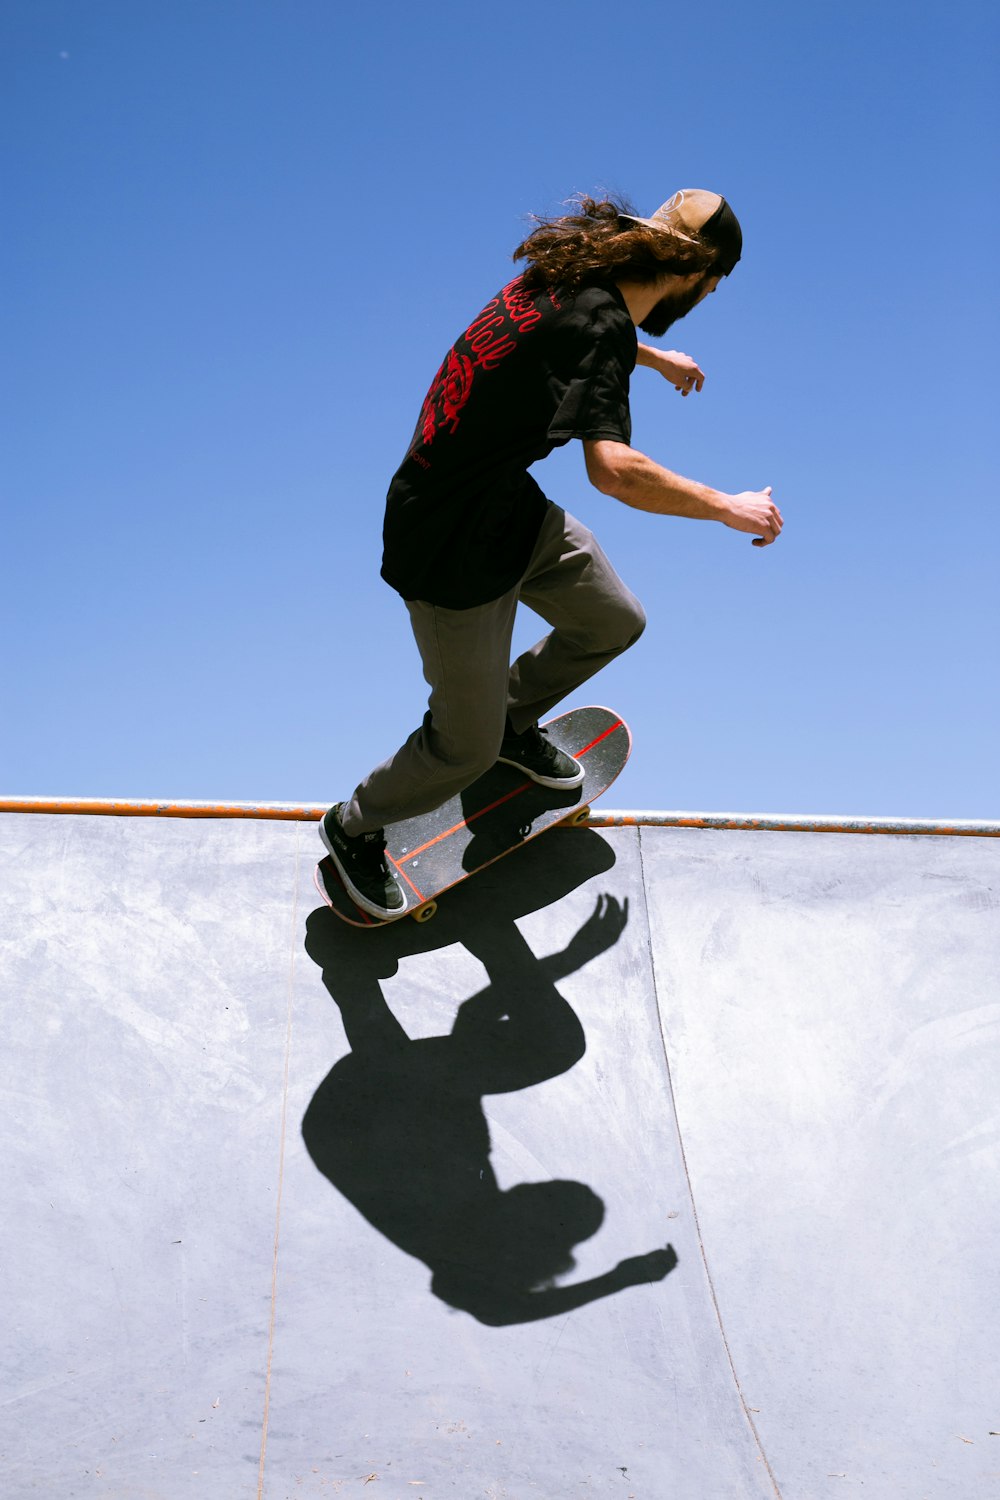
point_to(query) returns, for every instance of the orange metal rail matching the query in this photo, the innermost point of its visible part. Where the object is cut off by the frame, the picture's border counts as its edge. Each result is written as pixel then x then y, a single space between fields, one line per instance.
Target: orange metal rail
pixel 311 812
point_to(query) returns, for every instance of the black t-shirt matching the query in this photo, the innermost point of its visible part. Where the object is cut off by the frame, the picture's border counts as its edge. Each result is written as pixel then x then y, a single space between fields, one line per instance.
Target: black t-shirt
pixel 533 370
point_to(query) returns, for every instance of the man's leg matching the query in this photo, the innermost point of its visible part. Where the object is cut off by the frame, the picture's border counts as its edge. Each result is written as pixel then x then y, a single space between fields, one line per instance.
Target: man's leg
pixel 466 657
pixel 573 586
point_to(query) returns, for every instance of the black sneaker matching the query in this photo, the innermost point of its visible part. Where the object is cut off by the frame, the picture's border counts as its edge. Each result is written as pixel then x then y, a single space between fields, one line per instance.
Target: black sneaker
pixel 362 865
pixel 534 753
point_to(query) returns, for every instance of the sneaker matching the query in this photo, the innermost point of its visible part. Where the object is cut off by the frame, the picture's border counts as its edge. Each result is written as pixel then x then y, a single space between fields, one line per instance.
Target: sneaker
pixel 534 753
pixel 362 865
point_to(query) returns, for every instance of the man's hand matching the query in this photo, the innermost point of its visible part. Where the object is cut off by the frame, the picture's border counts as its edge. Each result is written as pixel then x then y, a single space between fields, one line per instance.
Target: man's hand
pixel 651 1267
pixel 683 373
pixel 754 511
pixel 600 932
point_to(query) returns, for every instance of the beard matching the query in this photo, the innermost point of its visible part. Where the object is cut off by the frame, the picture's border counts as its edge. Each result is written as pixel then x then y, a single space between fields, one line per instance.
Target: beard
pixel 671 308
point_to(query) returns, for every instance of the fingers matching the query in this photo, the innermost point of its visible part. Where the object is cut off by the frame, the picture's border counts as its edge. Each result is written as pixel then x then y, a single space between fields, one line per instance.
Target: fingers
pixel 770 535
pixel 612 913
pixel 755 512
pixel 691 380
pixel 772 529
pixel 772 525
pixel 682 372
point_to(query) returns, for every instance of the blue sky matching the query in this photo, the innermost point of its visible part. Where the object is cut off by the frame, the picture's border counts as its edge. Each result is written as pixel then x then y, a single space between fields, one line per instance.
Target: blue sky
pixel 243 236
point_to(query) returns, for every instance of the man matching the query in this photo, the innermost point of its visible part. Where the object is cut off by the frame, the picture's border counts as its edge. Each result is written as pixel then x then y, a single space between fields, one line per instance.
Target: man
pixel 468 533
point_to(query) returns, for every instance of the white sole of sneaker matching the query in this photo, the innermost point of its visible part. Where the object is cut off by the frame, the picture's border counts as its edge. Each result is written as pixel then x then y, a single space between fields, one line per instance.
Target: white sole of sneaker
pixel 552 782
pixel 366 904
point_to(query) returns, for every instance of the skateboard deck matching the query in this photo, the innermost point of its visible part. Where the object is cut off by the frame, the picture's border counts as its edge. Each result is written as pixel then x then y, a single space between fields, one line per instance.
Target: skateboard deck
pixel 501 811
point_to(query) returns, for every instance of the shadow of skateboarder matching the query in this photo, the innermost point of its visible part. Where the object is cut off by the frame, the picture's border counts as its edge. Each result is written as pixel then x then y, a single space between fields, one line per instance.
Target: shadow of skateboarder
pixel 398 1124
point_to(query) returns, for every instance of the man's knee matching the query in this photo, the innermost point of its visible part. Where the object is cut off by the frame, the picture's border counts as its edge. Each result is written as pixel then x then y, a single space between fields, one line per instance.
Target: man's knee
pixel 624 625
pixel 635 623
pixel 469 752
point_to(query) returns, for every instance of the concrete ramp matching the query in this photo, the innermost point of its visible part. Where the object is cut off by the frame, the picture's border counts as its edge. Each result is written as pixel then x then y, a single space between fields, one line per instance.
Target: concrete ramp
pixel 663 1165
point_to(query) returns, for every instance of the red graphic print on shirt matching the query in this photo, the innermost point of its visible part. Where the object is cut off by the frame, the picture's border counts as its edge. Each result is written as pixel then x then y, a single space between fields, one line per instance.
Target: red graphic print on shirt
pixel 456 388
pixel 486 341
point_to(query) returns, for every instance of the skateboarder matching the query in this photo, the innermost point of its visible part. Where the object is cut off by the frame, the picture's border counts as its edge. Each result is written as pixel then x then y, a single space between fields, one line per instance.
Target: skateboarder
pixel 468 533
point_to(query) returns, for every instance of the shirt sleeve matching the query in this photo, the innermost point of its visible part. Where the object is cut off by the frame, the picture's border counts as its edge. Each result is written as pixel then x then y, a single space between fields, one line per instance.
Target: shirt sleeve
pixel 592 389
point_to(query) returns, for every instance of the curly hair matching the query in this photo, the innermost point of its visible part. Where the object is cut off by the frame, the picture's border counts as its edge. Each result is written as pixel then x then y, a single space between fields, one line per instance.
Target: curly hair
pixel 598 242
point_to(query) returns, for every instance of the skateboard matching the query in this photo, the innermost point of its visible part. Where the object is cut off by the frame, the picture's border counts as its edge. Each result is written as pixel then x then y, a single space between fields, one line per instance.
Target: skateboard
pixel 501 811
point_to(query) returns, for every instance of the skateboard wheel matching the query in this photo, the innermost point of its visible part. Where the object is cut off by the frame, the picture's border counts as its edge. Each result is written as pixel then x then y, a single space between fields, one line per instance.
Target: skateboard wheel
pixel 425 912
pixel 579 815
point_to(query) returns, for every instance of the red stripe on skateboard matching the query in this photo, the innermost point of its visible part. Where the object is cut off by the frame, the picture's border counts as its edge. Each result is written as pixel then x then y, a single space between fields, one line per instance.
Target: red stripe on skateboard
pixel 600 737
pixel 465 823
pixel 414 888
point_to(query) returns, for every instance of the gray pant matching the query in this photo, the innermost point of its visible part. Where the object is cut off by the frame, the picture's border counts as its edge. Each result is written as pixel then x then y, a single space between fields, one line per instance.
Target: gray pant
pixel 474 686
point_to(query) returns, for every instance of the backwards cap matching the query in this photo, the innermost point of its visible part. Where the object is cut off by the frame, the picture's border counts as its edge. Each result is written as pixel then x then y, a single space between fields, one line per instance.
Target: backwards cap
pixel 697 213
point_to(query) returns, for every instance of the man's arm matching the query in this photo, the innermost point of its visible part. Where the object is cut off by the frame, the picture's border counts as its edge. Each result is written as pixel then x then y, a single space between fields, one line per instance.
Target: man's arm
pixel 498 1304
pixel 683 373
pixel 628 475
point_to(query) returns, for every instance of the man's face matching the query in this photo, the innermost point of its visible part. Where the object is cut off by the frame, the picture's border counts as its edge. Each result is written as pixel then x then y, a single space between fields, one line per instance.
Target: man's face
pixel 675 303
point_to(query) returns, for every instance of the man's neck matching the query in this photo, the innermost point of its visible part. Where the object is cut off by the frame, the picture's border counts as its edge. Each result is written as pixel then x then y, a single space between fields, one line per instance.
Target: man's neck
pixel 641 297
